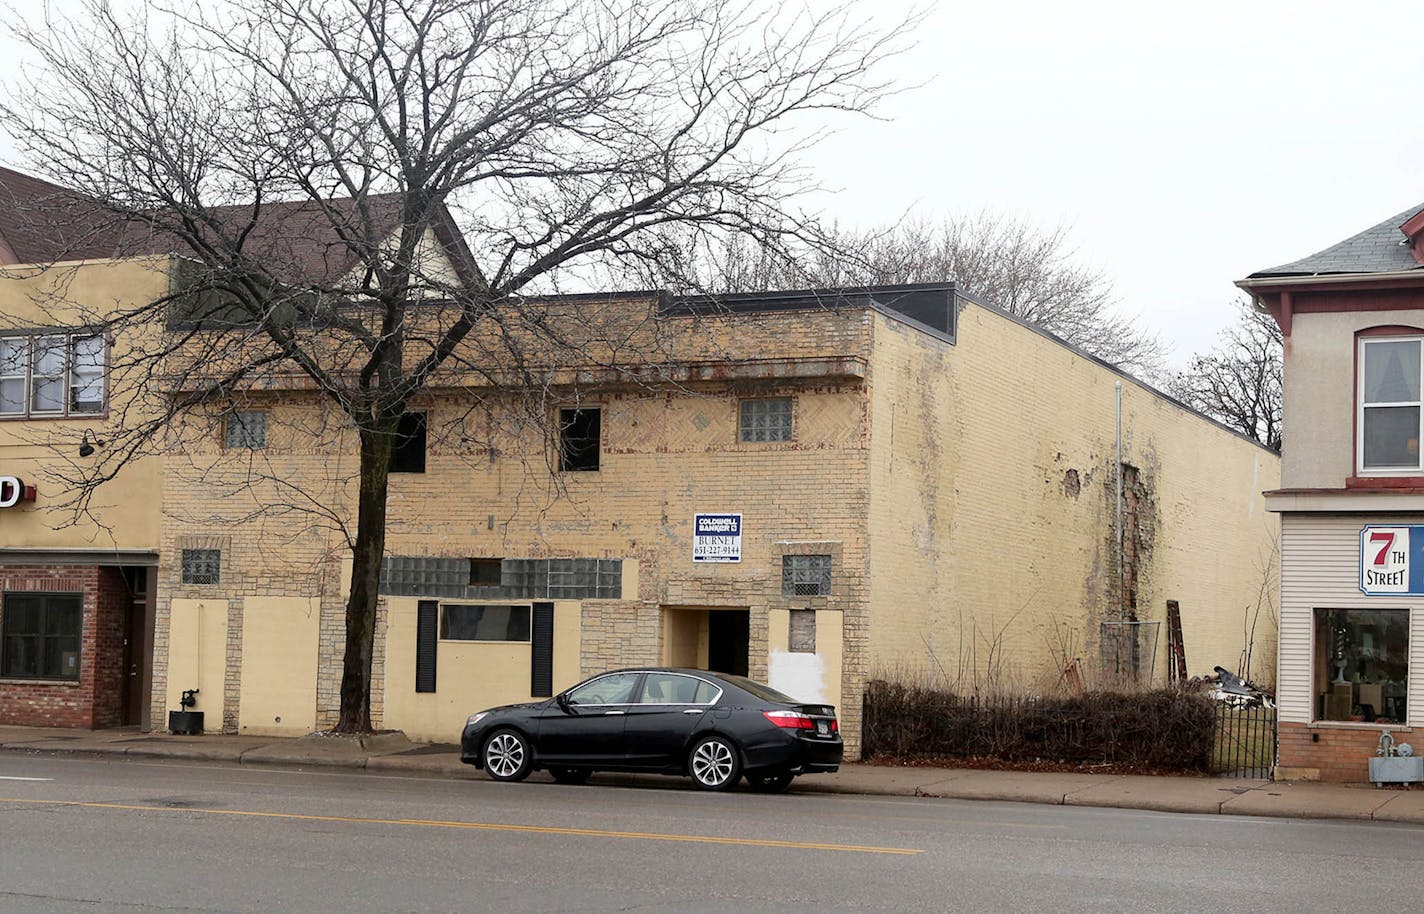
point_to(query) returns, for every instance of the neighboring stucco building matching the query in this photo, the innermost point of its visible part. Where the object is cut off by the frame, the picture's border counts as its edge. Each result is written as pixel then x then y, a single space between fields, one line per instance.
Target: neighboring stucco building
pixel 76 578
pixel 898 481
pixel 1351 496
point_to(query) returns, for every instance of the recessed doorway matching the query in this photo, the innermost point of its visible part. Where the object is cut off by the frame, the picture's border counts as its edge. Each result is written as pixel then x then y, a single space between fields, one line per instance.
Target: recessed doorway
pixel 707 639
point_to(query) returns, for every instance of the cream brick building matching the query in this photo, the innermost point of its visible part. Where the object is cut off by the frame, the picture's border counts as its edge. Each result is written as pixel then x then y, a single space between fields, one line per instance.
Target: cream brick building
pixel 926 487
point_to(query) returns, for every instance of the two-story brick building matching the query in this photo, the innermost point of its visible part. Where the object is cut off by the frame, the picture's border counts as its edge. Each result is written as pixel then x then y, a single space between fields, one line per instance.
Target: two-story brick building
pixel 812 488
pixel 1352 496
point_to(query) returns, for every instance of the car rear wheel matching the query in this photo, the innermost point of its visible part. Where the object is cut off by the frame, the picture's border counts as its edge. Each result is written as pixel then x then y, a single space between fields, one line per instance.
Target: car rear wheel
pixel 507 756
pixel 570 775
pixel 714 763
pixel 772 782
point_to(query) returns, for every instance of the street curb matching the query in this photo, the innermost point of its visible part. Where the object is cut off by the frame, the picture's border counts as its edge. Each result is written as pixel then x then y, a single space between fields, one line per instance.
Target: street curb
pixel 447 767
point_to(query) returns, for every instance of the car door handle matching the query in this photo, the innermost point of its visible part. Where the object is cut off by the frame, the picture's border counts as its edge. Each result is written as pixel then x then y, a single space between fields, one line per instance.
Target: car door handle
pixel 611 713
pixel 692 710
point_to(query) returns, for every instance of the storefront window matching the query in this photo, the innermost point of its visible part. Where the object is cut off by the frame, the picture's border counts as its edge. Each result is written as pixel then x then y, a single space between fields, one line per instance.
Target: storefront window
pixel 1361 665
pixel 40 634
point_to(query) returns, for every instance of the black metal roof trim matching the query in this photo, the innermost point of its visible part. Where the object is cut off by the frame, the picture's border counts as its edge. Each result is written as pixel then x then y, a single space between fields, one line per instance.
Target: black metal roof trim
pixel 930 304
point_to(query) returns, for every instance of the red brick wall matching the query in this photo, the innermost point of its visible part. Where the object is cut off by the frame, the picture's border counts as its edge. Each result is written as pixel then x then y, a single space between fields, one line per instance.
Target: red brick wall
pixel 110 621
pixel 1340 754
pixel 93 701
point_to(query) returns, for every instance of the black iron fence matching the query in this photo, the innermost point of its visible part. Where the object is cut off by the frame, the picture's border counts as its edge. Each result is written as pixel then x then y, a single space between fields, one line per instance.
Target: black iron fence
pixel 1244 741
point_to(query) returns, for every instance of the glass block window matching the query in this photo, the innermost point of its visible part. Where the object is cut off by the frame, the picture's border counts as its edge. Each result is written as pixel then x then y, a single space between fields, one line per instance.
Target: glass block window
pixel 472 622
pixel 518 579
pixel 805 575
pixel 246 430
pixel 766 419
pixel 202 566
pixel 573 579
pixel 801 638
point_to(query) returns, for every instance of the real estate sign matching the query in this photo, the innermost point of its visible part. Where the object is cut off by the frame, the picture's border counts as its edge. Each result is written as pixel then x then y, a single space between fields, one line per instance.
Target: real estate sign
pixel 717 538
pixel 1392 560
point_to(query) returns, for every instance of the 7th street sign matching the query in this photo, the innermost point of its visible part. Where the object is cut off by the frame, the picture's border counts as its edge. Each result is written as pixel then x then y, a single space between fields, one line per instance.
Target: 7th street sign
pixel 1388 563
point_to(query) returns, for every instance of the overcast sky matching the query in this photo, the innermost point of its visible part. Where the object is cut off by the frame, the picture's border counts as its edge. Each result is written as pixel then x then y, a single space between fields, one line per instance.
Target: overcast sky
pixel 1185 145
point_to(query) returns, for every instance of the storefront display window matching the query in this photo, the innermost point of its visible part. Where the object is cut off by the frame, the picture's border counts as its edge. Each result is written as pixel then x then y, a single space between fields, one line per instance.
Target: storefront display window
pixel 1361 665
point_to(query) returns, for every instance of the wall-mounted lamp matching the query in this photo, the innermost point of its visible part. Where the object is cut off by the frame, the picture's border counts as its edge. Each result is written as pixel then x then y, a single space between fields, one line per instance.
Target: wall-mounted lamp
pixel 88 443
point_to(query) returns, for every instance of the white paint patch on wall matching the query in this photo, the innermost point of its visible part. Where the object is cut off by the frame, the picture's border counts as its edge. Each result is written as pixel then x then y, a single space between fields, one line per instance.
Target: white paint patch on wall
pixel 800 675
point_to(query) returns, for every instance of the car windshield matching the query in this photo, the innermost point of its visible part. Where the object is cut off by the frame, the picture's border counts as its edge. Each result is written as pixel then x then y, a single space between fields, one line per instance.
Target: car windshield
pixel 764 692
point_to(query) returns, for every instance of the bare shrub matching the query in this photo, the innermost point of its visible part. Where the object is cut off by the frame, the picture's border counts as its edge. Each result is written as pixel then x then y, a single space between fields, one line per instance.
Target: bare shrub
pixel 1164 729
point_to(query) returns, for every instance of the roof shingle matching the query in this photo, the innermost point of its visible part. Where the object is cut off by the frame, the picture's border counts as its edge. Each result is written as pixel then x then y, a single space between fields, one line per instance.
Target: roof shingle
pixel 1381 248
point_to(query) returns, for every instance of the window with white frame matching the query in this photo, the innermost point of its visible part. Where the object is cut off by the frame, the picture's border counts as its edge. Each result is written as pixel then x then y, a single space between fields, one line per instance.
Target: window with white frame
pixel 1389 384
pixel 52 374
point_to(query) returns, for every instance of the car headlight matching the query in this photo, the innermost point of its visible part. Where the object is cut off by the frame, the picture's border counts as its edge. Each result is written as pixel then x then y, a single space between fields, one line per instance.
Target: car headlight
pixel 476 718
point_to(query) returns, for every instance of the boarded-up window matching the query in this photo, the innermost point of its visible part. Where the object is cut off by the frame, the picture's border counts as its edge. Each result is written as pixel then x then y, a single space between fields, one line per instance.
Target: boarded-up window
pixel 802 638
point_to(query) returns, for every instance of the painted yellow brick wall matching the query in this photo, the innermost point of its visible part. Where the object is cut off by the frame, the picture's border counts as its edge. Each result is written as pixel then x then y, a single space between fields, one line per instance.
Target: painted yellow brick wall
pixel 992 505
pixel 965 492
pixel 666 455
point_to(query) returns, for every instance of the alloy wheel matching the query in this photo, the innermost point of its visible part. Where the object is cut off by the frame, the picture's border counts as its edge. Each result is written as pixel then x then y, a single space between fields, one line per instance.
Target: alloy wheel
pixel 713 763
pixel 504 756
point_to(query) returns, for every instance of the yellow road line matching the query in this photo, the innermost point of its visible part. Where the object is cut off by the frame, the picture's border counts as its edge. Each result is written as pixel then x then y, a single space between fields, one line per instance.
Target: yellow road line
pixel 486 826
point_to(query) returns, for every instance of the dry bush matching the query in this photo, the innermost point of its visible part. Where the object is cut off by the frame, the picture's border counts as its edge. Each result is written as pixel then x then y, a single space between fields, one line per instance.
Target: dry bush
pixel 1165 729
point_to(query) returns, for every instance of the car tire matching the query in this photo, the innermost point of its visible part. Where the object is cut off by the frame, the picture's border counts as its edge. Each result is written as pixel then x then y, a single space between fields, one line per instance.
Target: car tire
pixel 771 782
pixel 714 763
pixel 570 775
pixel 507 755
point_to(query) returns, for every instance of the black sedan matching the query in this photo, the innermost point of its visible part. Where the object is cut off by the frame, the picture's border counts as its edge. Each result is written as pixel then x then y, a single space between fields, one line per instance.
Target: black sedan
pixel 710 726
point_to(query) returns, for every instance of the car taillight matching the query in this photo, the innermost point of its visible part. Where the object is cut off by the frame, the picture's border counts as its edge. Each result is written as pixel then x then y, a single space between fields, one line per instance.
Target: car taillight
pixel 835 725
pixel 790 720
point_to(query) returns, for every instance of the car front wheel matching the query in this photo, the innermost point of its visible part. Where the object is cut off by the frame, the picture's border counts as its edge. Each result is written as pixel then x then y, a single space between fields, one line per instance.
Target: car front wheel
pixel 507 756
pixel 714 764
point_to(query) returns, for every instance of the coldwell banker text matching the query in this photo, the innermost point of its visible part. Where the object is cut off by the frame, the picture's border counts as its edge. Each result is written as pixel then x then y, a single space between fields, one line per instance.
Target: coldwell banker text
pixel 717 538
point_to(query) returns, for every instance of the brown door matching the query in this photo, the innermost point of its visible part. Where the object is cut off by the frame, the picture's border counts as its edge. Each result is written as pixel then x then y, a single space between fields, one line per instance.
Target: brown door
pixel 137 640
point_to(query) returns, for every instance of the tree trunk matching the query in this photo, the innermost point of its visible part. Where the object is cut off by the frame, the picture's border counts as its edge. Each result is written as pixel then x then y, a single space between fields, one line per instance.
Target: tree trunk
pixel 367 553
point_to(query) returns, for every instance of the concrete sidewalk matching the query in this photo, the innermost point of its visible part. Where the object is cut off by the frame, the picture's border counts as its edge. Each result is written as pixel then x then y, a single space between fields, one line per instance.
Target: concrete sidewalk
pixel 393 753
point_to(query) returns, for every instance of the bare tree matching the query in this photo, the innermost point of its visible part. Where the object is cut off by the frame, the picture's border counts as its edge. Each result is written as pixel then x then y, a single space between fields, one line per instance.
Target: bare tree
pixel 1239 382
pixel 305 157
pixel 1004 261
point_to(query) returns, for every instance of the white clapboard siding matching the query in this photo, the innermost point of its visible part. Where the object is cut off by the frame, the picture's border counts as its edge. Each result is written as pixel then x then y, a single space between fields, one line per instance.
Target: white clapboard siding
pixel 1320 568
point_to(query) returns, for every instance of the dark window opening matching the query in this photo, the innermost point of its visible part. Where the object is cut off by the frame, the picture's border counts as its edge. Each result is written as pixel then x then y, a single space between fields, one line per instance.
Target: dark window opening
pixel 474 622
pixel 41 636
pixel 578 439
pixel 485 572
pixel 408 453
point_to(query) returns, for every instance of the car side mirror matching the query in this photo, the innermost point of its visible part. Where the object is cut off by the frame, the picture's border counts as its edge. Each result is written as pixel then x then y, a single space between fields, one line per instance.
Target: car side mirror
pixel 562 700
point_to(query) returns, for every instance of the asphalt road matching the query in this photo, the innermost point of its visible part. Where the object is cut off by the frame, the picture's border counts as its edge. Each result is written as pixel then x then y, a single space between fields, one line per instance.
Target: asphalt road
pixel 120 835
